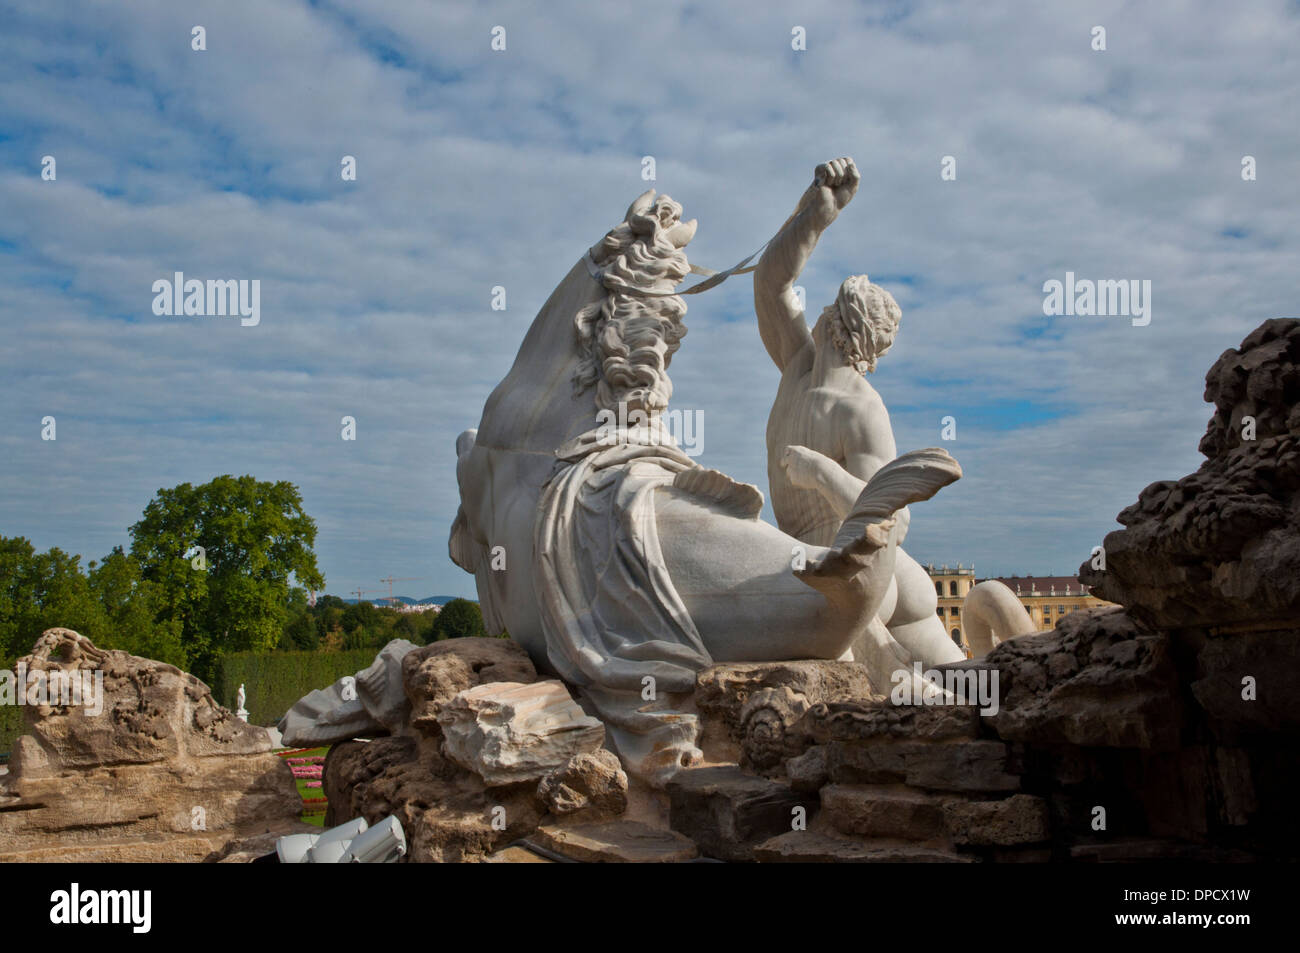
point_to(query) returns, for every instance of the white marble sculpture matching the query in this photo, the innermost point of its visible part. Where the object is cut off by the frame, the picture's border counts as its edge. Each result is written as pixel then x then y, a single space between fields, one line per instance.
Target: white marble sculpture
pixel 829 431
pixel 372 702
pixel 240 711
pixel 991 613
pixel 623 566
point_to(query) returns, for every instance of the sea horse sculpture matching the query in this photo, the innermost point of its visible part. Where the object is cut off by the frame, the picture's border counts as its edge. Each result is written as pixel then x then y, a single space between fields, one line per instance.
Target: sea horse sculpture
pixel 618 562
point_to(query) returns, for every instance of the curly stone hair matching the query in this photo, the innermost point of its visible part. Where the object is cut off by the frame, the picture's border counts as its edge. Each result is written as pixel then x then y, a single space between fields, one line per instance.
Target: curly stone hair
pixel 862 322
pixel 627 340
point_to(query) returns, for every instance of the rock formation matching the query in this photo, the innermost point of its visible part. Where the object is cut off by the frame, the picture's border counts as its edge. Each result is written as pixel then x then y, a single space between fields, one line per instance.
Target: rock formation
pixel 152 768
pixel 592 782
pixel 1161 730
pixel 1221 546
pixel 488 754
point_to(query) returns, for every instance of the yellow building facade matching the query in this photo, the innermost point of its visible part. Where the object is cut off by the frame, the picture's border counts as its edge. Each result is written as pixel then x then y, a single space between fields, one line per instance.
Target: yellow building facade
pixel 1047 599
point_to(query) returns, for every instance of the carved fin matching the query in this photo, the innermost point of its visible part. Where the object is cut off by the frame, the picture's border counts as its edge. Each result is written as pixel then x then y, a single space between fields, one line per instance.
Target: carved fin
pixel 911 478
pixel 740 499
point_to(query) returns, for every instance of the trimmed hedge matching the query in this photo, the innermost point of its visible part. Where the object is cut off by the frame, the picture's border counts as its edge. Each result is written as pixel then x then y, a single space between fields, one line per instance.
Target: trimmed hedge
pixel 274 681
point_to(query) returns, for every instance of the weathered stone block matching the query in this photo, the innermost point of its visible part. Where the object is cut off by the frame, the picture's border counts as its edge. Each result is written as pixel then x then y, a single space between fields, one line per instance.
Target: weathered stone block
pixel 616 842
pixel 725 811
pixel 1019 819
pixel 1120 689
pixel 1249 681
pixel 809 771
pixel 960 766
pixel 881 811
pixel 881 721
pixel 801 847
pixel 882 763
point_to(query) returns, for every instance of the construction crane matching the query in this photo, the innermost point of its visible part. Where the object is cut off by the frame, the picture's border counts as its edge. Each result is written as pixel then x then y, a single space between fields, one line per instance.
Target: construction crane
pixel 392 579
pixel 361 592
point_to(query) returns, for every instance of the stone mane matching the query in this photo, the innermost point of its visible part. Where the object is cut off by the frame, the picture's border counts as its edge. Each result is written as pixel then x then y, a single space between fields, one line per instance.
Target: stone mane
pixel 627 340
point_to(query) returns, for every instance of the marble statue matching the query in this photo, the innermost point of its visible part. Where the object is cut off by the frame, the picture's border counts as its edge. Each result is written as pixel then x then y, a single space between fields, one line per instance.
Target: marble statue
pixel 240 711
pixel 371 702
pixel 991 614
pixel 622 565
pixel 829 431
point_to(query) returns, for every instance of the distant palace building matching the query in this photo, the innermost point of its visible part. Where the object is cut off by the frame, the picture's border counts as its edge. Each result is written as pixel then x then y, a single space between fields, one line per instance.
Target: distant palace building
pixel 1047 599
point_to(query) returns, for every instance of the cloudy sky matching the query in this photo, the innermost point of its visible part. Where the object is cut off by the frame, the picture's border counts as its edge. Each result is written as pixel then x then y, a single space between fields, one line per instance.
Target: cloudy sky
pixel 478 168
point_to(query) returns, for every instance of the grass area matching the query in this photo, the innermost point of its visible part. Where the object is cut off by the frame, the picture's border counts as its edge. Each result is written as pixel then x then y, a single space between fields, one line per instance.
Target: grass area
pixel 306 764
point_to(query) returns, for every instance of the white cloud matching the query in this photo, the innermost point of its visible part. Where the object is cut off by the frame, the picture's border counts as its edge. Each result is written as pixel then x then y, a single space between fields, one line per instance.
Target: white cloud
pixel 478 169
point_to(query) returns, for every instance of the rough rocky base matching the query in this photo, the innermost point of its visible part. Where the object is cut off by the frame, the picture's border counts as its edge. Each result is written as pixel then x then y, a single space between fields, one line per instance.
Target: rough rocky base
pixel 161 773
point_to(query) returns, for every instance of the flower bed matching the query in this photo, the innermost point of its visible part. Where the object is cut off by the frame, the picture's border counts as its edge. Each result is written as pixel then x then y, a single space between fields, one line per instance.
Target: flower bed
pixel 307 765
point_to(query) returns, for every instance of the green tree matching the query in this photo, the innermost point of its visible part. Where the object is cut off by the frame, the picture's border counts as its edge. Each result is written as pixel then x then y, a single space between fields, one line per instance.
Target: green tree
pixel 256 543
pixel 39 591
pixel 416 627
pixel 131 605
pixel 300 632
pixel 459 618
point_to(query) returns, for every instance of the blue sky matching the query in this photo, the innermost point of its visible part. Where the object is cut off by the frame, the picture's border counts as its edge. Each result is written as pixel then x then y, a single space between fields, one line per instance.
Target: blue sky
pixel 479 168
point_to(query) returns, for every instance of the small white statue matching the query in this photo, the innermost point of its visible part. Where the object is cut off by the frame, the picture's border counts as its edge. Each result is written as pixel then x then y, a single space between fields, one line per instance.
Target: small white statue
pixel 241 713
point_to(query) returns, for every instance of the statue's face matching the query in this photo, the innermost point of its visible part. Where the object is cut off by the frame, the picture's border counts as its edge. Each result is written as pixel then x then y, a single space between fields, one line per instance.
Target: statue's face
pixel 884 336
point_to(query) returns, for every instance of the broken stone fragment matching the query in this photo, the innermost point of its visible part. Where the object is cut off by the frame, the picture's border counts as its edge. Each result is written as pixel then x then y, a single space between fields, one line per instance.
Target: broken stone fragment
pixel 802 847
pixel 433 674
pixel 883 811
pixel 617 842
pixel 510 732
pixel 593 782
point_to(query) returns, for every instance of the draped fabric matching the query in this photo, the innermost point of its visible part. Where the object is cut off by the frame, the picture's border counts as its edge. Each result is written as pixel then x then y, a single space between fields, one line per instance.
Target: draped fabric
pixel 615 626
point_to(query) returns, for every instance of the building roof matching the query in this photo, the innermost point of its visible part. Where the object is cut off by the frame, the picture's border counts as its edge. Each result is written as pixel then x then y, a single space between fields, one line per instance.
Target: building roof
pixel 946 570
pixel 1043 585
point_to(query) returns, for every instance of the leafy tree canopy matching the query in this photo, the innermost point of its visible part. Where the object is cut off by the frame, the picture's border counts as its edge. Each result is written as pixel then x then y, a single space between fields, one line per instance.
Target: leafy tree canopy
pixel 225 556
pixel 459 618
